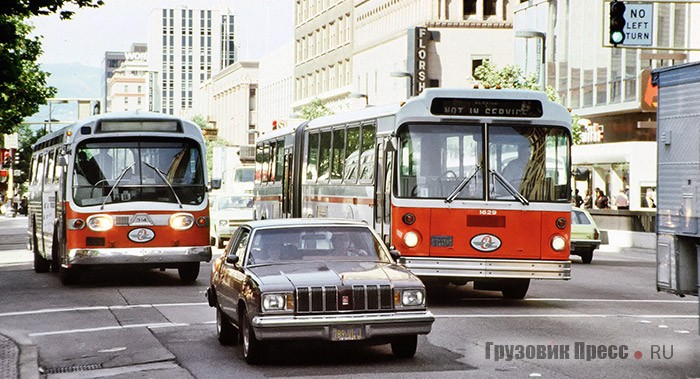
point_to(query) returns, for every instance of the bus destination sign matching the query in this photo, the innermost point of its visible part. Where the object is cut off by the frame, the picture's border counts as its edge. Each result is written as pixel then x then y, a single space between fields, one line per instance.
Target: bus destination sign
pixel 445 106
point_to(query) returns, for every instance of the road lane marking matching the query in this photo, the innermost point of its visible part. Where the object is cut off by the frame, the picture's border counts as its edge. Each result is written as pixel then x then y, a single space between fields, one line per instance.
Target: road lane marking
pixel 106 328
pixel 99 308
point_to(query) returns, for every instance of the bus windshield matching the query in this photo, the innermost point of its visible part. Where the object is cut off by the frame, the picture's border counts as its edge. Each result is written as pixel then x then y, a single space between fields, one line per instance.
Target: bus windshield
pixel 118 171
pixel 446 161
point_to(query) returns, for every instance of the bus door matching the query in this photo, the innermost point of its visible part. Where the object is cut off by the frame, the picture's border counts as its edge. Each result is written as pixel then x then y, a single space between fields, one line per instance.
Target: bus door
pixel 287 184
pixel 382 194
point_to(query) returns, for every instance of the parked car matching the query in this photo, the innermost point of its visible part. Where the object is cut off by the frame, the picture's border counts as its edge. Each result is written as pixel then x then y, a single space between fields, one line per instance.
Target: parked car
pixel 321 279
pixel 585 236
pixel 227 212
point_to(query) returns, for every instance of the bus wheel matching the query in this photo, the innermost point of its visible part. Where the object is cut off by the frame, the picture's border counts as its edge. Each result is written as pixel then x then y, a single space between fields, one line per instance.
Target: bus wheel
pixel 40 264
pixel 515 288
pixel 56 252
pixel 188 272
pixel 68 275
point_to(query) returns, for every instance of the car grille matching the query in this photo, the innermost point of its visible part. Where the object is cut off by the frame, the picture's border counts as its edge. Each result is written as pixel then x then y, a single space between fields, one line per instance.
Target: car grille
pixel 357 298
pixel 235 223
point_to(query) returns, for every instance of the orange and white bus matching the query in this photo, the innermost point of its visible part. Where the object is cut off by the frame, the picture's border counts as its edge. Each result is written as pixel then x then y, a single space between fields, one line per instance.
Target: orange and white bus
pixel 120 189
pixel 469 185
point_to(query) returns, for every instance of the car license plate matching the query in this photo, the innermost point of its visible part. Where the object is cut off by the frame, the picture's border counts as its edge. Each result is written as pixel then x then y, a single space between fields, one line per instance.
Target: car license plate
pixel 347 333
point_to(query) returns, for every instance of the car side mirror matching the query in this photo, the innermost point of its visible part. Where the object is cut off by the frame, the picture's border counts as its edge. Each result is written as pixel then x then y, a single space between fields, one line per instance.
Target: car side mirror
pixel 232 259
pixel 395 254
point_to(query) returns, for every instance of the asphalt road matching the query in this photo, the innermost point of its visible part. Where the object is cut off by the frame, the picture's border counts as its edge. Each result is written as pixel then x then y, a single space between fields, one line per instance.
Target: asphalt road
pixel 608 321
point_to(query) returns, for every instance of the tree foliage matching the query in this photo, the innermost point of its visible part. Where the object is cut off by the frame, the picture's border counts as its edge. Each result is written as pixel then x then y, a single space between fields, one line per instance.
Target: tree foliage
pixel 210 144
pixel 511 76
pixel 23 86
pixel 28 8
pixel 315 109
pixel 22 83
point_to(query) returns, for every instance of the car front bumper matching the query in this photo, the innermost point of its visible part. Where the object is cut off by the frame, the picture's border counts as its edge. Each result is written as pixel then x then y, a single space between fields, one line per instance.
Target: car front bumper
pixel 584 245
pixel 376 325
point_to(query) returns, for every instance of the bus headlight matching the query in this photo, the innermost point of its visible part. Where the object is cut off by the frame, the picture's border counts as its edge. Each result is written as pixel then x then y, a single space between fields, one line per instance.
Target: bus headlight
pixel 411 239
pixel 181 221
pixel 100 223
pixel 558 243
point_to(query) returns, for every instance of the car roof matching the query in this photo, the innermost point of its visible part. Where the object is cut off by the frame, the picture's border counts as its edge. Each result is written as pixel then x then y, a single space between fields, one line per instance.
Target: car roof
pixel 300 222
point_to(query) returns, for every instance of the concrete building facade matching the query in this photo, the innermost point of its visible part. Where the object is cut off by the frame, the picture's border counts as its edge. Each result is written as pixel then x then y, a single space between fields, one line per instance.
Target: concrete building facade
pixel 187 47
pixel 129 86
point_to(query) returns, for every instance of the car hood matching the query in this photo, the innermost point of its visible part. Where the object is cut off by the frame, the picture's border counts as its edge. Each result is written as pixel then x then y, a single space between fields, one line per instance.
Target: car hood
pixel 321 273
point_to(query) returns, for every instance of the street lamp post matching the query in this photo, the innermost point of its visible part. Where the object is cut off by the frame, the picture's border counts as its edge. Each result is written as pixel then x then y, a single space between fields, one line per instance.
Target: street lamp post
pixel 356 95
pixel 404 74
pixel 542 37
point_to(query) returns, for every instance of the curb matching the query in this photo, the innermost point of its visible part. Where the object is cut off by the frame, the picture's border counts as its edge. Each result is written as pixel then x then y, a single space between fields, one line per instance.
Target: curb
pixel 28 363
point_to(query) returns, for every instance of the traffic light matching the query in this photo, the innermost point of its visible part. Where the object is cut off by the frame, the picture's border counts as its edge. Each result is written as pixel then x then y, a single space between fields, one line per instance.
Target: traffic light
pixel 617 22
pixel 17 158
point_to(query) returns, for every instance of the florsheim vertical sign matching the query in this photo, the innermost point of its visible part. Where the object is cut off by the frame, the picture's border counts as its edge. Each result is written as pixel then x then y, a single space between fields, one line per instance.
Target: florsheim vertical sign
pixel 418 58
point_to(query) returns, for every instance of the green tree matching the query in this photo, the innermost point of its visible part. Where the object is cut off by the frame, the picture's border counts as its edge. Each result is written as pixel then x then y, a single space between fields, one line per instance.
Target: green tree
pixel 511 76
pixel 316 108
pixel 22 83
pixel 27 138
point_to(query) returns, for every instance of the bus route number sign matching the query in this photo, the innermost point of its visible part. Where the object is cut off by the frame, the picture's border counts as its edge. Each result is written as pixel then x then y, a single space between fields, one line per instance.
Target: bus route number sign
pixel 443 106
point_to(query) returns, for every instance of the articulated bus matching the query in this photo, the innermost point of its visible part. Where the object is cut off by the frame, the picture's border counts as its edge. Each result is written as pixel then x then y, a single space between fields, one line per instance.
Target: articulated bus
pixel 120 189
pixel 469 185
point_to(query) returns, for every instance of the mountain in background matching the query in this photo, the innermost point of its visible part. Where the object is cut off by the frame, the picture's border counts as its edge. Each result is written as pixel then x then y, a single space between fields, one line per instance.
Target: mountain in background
pixel 73 81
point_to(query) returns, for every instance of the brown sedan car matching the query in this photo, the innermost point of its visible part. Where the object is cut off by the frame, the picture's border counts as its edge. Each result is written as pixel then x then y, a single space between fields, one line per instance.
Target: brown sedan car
pixel 317 279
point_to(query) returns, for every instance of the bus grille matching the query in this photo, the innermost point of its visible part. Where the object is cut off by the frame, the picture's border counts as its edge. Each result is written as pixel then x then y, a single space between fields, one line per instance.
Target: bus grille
pixel 326 299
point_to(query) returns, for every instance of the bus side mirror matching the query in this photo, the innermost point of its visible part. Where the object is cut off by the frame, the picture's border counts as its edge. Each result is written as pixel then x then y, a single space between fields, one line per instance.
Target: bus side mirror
pixel 395 254
pixel 215 183
pixel 62 160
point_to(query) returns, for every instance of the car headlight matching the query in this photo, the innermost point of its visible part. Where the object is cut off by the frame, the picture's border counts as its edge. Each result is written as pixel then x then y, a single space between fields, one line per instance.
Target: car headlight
pixel 558 243
pixel 409 298
pixel 223 223
pixel 100 223
pixel 181 221
pixel 277 302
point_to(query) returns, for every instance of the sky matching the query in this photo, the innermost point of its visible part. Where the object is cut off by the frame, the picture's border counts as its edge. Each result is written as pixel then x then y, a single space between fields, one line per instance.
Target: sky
pixel 262 26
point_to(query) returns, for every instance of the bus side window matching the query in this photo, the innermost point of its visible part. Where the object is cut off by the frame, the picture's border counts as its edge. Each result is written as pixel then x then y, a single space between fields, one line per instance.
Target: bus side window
pixel 338 154
pixel 312 164
pixel 324 160
pixel 352 155
pixel 279 160
pixel 367 155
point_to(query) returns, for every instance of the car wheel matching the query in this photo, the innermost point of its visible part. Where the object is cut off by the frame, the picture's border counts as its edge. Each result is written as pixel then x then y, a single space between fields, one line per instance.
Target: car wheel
pixel 587 256
pixel 189 272
pixel 220 243
pixel 515 289
pixel 253 349
pixel 226 333
pixel 68 275
pixel 404 346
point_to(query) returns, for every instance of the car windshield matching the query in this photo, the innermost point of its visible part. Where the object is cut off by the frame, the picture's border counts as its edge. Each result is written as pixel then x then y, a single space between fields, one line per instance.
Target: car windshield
pixel 579 218
pixel 118 171
pixel 226 202
pixel 328 244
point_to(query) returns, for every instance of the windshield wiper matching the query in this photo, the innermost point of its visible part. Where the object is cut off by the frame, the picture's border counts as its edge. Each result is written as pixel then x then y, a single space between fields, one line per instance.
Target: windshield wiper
pixel 162 176
pixel 461 186
pixel 509 187
pixel 116 182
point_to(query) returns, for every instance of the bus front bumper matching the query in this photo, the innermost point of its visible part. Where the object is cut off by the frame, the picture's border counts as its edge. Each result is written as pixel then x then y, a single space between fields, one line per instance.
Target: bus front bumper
pixel 487 268
pixel 144 256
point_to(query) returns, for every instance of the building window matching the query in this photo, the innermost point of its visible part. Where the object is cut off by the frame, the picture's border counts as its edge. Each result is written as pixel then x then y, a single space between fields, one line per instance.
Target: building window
pixel 489 8
pixel 476 62
pixel 469 8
